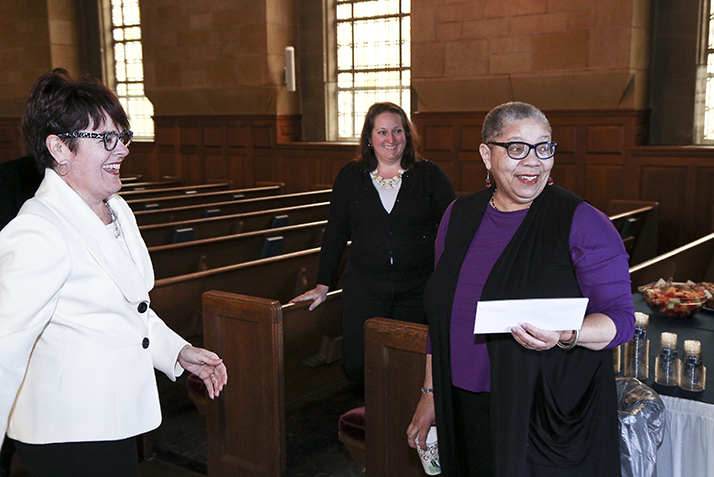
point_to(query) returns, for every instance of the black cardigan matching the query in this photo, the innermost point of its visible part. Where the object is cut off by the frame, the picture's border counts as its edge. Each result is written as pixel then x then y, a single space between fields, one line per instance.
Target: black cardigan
pixel 555 408
pixel 405 235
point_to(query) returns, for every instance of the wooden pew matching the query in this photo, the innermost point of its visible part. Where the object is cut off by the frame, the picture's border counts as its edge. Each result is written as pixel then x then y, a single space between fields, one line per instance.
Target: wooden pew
pixel 128 179
pixel 130 194
pixel 264 345
pixel 201 198
pixel 165 182
pixel 638 223
pixel 177 300
pixel 164 234
pixel 395 359
pixel 199 255
pixel 198 211
pixel 693 261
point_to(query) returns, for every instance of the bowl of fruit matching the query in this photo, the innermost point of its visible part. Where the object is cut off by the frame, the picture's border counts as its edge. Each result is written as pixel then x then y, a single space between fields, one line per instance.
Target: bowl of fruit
pixel 709 290
pixel 673 299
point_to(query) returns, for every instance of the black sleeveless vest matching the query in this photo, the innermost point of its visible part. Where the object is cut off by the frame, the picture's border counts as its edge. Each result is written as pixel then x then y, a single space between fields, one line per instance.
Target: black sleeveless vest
pixel 551 409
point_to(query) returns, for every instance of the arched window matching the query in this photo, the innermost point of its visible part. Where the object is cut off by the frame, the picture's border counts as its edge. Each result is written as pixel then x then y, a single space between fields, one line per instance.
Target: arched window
pixel 373 60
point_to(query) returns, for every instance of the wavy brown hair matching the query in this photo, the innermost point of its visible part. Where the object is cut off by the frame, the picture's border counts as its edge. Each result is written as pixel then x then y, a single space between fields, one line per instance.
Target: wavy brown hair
pixel 367 157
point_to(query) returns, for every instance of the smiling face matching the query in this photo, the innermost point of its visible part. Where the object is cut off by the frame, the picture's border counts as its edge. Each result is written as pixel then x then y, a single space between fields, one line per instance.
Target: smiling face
pixel 519 182
pixel 94 171
pixel 388 138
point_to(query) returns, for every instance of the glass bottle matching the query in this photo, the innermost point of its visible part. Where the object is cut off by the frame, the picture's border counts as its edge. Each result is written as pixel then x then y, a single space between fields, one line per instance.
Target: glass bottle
pixel 667 364
pixel 617 359
pixel 637 350
pixel 693 375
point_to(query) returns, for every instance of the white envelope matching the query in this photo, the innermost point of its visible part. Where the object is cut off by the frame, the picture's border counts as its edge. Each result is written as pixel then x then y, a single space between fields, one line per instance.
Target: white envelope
pixel 556 314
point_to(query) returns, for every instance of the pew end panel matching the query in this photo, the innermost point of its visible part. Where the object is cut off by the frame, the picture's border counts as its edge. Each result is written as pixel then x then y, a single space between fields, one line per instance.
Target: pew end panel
pixel 246 424
pixel 269 347
pixel 395 359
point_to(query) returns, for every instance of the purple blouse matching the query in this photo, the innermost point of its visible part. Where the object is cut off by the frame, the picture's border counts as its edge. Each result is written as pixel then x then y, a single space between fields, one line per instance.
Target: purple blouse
pixel 601 268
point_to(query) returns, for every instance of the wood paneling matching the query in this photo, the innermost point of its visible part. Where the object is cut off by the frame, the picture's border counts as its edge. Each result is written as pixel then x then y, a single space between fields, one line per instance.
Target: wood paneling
pixel 11 142
pixel 606 139
pixel 438 138
pixel 600 157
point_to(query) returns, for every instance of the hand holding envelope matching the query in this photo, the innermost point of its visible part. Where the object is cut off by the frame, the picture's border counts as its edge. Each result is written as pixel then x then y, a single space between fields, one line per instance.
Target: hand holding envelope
pixel 555 314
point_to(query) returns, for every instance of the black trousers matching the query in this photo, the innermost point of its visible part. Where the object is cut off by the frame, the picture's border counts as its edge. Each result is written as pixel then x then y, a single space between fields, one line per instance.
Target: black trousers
pixel 80 459
pixel 366 295
pixel 472 420
pixel 6 453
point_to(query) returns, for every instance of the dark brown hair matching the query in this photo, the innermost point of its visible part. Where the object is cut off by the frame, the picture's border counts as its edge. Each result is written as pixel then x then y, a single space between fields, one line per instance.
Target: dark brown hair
pixel 58 104
pixel 367 157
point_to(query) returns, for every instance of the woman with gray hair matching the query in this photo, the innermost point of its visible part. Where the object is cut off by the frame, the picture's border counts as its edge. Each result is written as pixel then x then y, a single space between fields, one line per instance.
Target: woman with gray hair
pixel 531 402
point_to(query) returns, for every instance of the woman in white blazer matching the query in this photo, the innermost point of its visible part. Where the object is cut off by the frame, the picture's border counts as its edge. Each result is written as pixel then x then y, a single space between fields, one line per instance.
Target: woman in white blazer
pixel 78 341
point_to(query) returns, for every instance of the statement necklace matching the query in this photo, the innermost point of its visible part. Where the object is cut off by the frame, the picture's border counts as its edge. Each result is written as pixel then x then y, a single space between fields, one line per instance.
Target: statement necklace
pixel 387 183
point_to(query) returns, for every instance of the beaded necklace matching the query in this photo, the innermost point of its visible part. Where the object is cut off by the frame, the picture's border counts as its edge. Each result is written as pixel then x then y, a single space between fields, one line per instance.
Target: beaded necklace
pixel 493 202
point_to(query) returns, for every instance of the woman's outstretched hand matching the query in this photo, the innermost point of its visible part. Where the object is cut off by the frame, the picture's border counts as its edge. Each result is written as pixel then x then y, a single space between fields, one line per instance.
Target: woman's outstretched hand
pixel 207 366
pixel 317 295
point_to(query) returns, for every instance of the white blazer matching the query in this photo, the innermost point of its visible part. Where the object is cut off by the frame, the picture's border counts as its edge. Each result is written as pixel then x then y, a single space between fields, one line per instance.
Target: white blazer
pixel 78 343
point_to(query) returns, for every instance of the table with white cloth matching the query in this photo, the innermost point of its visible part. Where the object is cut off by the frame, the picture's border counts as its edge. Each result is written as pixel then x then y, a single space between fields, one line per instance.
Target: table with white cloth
pixel 688 446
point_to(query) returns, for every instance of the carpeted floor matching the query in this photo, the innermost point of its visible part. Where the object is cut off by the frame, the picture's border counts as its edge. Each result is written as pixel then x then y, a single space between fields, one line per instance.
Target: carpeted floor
pixel 313 449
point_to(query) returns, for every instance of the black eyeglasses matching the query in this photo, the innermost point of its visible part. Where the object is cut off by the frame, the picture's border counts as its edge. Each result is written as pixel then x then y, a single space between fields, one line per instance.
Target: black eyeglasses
pixel 111 138
pixel 519 150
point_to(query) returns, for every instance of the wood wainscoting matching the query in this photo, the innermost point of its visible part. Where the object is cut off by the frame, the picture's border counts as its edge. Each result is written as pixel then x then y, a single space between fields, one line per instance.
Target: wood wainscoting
pixel 600 157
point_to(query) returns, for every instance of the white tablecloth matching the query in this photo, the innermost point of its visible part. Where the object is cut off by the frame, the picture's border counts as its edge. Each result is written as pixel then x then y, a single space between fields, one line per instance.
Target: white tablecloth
pixel 688 446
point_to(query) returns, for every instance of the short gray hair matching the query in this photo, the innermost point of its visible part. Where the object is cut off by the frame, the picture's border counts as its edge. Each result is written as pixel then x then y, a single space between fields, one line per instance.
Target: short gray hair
pixel 496 120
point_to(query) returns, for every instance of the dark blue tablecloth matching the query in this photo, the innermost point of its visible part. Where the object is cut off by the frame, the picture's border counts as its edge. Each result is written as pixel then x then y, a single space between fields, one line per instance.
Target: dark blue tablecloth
pixel 699 327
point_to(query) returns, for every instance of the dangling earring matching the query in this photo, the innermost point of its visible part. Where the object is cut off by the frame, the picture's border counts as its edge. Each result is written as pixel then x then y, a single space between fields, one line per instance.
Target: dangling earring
pixel 67 164
pixel 488 178
pixel 550 180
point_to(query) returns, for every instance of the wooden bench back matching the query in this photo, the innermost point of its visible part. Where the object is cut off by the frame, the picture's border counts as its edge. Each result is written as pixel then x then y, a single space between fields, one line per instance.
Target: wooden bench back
pixel 264 345
pixel 395 359
pixel 693 261
pixel 198 255
pixel 199 198
pixel 198 211
pixel 129 179
pixel 638 224
pixel 141 185
pixel 163 234
pixel 134 193
pixel 177 300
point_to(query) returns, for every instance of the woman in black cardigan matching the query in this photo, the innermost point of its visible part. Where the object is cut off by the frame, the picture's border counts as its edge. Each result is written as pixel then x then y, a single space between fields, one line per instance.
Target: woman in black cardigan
pixel 389 203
